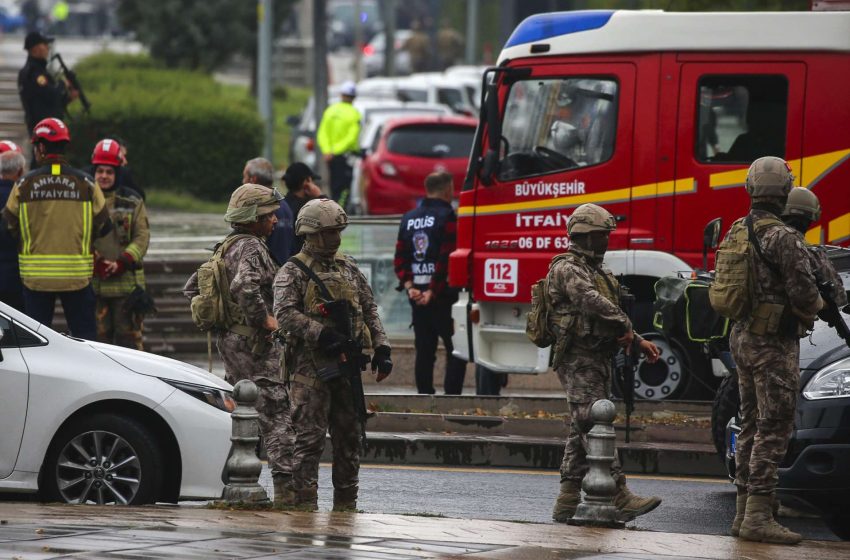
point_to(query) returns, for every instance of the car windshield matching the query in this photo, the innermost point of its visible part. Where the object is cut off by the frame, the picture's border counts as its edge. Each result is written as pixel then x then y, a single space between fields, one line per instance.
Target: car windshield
pixel 411 94
pixel 557 124
pixel 431 141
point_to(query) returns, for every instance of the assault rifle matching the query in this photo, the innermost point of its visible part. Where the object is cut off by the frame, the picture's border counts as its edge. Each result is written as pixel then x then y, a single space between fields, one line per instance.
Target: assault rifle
pixel 830 312
pixel 71 76
pixel 352 359
pixel 625 364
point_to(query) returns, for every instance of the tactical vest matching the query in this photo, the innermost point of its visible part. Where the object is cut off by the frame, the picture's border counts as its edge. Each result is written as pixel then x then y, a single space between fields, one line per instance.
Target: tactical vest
pixel 421 235
pixel 577 328
pixel 341 289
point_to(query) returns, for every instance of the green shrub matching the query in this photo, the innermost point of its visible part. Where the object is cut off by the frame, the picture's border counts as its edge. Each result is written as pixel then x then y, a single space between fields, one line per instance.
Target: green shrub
pixel 184 134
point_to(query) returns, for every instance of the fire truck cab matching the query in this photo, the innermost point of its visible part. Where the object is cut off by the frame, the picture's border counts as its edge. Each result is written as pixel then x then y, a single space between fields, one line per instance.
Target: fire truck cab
pixel 656 117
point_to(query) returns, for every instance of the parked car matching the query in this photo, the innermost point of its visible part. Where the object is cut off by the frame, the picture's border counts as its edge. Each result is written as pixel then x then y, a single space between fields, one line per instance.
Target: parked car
pixel 85 422
pixel 435 87
pixel 370 133
pixel 407 151
pixel 341 18
pixel 303 144
pixel 814 476
pixel 374 52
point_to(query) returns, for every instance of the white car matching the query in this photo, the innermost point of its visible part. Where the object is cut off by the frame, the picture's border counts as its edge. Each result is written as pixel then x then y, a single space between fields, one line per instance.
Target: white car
pixel 84 422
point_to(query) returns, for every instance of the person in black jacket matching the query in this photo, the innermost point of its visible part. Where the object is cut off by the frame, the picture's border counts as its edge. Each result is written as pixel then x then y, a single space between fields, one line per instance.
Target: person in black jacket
pixel 301 188
pixel 426 237
pixel 42 96
pixel 12 164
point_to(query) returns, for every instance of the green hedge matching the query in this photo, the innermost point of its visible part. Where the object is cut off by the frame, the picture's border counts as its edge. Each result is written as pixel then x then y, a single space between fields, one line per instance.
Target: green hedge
pixel 183 131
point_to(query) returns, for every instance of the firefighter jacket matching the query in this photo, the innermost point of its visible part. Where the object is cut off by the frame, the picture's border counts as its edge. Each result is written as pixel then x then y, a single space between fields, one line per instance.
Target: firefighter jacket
pixel 339 130
pixel 41 95
pixel 426 238
pixel 55 211
pixel 127 241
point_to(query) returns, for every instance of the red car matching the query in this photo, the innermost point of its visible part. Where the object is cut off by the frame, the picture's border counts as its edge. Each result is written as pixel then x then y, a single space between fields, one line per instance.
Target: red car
pixel 407 150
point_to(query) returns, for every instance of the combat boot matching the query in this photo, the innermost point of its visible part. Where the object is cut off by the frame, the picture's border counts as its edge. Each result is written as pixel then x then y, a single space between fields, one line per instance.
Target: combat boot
pixel 630 506
pixel 567 502
pixel 307 499
pixel 345 499
pixel 740 510
pixel 284 492
pixel 759 525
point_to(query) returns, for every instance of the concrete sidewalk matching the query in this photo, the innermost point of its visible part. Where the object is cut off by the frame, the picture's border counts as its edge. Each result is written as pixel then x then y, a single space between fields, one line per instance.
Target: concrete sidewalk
pixel 33 531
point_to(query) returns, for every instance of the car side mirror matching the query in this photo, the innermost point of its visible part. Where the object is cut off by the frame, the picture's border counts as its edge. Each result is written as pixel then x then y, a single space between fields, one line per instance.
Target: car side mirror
pixel 710 239
pixel 711 233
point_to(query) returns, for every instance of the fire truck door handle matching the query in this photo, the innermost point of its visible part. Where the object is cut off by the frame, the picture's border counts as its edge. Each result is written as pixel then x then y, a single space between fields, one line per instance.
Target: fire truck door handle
pixel 620 217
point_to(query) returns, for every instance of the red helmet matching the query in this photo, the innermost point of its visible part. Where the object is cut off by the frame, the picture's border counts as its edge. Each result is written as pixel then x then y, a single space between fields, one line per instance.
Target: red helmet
pixel 107 152
pixel 9 146
pixel 50 130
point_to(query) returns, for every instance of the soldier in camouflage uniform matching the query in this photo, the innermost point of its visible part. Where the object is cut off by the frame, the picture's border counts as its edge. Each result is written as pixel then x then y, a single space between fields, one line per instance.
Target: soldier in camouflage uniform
pixel 766 349
pixel 801 211
pixel 246 349
pixel 590 327
pixel 118 255
pixel 314 343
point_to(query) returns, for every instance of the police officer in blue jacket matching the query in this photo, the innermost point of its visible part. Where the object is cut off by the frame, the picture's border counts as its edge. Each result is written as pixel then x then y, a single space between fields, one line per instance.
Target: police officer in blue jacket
pixel 426 238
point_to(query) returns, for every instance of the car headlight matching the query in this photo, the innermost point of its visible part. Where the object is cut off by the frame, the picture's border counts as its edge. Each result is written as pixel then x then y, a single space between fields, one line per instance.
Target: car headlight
pixel 213 396
pixel 832 382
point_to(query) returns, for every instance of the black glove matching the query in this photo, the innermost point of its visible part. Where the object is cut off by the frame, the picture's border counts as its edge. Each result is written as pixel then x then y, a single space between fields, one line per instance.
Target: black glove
pixel 331 341
pixel 381 360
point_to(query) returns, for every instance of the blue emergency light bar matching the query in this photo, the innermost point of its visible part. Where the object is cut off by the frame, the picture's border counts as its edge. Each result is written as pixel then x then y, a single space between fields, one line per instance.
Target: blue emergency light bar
pixel 545 26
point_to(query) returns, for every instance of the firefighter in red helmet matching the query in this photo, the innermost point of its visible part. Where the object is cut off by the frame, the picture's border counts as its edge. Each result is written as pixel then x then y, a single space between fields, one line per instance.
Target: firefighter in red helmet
pixel 119 280
pixel 55 212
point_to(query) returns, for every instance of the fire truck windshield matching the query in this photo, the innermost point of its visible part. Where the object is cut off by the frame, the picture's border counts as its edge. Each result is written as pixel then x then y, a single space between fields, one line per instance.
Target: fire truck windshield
pixel 554 125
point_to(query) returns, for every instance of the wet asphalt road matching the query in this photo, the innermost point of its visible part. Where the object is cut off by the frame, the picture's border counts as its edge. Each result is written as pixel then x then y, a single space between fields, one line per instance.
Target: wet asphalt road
pixel 702 506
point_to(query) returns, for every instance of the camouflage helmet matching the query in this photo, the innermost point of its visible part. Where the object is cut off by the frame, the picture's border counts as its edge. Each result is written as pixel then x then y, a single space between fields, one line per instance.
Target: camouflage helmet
pixel 802 202
pixel 318 215
pixel 250 201
pixel 769 176
pixel 590 217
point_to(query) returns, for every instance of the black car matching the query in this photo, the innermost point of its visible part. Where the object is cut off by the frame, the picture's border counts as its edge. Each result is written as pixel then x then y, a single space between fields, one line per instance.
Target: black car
pixel 815 474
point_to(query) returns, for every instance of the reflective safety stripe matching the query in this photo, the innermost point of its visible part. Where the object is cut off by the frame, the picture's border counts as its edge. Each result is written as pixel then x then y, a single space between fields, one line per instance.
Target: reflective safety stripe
pixel 87 217
pixel 47 266
pixel 26 239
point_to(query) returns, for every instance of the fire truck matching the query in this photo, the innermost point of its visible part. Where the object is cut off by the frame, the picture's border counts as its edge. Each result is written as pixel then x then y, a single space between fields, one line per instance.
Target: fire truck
pixel 656 117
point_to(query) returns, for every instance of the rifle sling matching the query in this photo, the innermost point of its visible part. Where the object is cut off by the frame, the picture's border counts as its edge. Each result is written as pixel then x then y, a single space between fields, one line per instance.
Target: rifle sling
pixel 757 245
pixel 314 277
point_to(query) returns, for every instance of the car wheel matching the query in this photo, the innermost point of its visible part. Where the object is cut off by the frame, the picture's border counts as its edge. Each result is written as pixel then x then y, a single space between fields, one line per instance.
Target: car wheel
pixel 725 407
pixel 669 377
pixel 840 525
pixel 103 459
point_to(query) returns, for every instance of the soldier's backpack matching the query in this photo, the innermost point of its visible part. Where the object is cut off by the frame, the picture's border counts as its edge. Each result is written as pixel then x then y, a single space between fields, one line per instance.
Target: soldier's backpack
pixel 537 324
pixel 733 292
pixel 213 309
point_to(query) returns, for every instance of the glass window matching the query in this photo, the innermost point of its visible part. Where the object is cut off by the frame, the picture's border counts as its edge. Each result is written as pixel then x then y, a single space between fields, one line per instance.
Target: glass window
pixel 431 141
pixel 741 118
pixel 450 96
pixel 410 94
pixel 558 124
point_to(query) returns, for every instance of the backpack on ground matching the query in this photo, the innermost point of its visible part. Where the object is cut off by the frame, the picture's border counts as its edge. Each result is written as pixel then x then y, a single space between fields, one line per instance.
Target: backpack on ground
pixel 537 323
pixel 733 292
pixel 213 309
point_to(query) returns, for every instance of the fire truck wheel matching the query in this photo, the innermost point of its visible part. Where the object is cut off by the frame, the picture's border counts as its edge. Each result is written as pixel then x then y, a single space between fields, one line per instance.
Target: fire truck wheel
pixel 669 377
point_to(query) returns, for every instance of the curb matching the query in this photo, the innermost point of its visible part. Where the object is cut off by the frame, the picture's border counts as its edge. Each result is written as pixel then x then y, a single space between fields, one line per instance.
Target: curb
pixel 530 453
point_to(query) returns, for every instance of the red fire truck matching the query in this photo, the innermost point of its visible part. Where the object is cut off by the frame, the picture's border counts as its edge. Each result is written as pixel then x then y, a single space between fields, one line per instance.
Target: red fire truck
pixel 656 117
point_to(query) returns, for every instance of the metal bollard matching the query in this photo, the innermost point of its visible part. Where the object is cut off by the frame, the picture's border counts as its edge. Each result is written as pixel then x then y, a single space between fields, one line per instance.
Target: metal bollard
pixel 596 508
pixel 243 468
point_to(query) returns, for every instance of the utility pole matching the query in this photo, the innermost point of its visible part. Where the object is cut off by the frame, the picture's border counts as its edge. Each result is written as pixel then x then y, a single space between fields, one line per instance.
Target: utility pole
pixel 389 36
pixel 358 42
pixel 264 75
pixel 471 30
pixel 320 71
